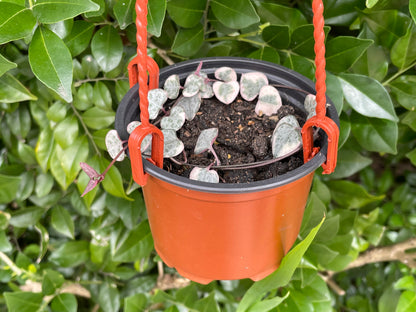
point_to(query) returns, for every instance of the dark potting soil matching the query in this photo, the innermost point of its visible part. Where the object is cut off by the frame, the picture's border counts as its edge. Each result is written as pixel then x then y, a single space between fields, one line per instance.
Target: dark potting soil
pixel 243 138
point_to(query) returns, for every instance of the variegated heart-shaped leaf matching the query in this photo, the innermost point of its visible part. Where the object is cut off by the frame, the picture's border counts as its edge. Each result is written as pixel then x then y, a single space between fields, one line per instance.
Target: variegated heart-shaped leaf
pixel 146 146
pixel 251 83
pixel 172 145
pixel 269 101
pixel 190 105
pixel 114 145
pixel 205 140
pixel 226 74
pixel 156 97
pixel 286 136
pixel 226 92
pixel 204 175
pixel 172 86
pixel 175 120
pixel 310 105
pixel 193 84
pixel 207 91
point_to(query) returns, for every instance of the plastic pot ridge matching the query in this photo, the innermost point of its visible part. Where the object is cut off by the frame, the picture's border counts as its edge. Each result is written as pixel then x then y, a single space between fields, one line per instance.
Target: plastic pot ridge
pixel 213 231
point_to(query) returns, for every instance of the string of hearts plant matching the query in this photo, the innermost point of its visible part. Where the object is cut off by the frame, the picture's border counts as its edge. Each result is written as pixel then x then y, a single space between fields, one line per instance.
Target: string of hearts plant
pixel 184 105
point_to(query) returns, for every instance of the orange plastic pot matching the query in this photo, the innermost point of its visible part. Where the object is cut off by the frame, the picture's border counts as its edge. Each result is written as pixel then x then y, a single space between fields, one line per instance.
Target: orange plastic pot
pixel 226 231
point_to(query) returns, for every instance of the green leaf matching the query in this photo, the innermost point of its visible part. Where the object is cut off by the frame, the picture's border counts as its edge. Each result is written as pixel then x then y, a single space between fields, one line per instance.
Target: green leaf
pixel 404 92
pixel 349 162
pixel 334 91
pixel 101 96
pixel 25 217
pixel 23 301
pixel 44 148
pixel 16 22
pixel 128 246
pixel 109 298
pixel 412 9
pixel 51 62
pixel 375 135
pixel 267 305
pixel 302 41
pixel 412 156
pixel 57 169
pixel 62 222
pixel 19 122
pixel 314 212
pixel 70 254
pixel 403 53
pixel 186 13
pixel 72 156
pixel 12 90
pixel 52 280
pixel 80 36
pixel 405 283
pixel 207 304
pixel 96 118
pixel 57 111
pixel 407 302
pixel 128 211
pixel 113 182
pixel 281 276
pixel 65 303
pixel 156 10
pixel 135 303
pixel 123 10
pixel 374 63
pixel 351 195
pixel 388 300
pixel 342 52
pixel 52 11
pixel 367 96
pixel 387 25
pixel 277 14
pixel 300 64
pixel 341 13
pixel 66 131
pixel 5 245
pixel 235 14
pixel 5 65
pixel 26 186
pixel 266 54
pixel 276 36
pixel 188 41
pixel 107 48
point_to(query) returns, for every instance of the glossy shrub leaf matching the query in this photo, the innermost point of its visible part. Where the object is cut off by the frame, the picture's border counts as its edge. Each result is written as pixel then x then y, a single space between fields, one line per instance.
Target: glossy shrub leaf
pixel 79 38
pixel 300 64
pixel 65 303
pixel 404 92
pixel 302 41
pixel 25 217
pixel 188 41
pixel 334 91
pixel 102 96
pixel 235 14
pixel 44 148
pixel 9 186
pixel 412 9
pixel 23 301
pixel 373 63
pixel 123 10
pixel 113 182
pixel 107 48
pixel 51 62
pixel 387 25
pixel 66 132
pixel 52 280
pixel 135 303
pixel 407 301
pixel 186 13
pixel 57 169
pixel 70 254
pixel 5 65
pixel 282 275
pixel 266 54
pixel 19 122
pixel 131 245
pixel 52 11
pixel 16 22
pixel 341 12
pixel 96 118
pixel 62 222
pixel 412 156
pixel 155 16
pixel 12 90
pixel 375 134
pixel 109 298
pixel 351 195
pixel 277 14
pixel 349 162
pixel 367 96
pixel 403 53
pixel 342 52
pixel 276 36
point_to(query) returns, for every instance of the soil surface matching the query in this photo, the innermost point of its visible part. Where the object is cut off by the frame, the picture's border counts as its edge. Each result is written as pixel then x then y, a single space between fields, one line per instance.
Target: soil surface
pixel 243 138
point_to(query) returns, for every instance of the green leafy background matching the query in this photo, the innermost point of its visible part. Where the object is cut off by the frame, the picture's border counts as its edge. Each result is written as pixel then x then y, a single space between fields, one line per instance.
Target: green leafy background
pixel 63 73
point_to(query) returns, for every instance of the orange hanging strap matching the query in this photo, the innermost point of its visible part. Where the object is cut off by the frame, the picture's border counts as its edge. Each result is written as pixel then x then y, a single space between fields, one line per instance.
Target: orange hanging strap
pixel 320 120
pixel 144 71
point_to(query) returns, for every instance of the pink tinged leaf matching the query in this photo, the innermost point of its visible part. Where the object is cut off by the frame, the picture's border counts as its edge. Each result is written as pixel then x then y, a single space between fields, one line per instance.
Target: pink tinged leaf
pixel 269 101
pixel 226 74
pixel 204 175
pixel 172 145
pixel 172 86
pixel 156 97
pixel 286 136
pixel 205 140
pixel 90 186
pixel 251 83
pixel 226 92
pixel 190 105
pixel 90 171
pixel 175 120
pixel 310 105
pixel 114 145
pixel 193 84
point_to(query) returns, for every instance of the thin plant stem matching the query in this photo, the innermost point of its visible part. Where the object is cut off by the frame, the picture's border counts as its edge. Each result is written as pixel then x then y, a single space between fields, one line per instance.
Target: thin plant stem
pixel 396 75
pixel 80 82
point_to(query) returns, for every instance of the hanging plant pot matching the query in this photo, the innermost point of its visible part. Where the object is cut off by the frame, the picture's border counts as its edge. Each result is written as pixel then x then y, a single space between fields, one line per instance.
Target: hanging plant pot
pixel 211 231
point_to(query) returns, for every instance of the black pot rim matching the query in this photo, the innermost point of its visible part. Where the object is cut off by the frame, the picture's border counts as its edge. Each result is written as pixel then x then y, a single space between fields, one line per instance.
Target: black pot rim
pixel 274 72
